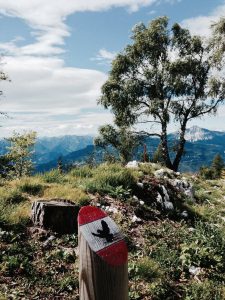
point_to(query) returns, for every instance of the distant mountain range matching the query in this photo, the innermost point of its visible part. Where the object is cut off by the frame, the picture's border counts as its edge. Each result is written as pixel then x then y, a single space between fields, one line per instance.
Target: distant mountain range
pixel 201 146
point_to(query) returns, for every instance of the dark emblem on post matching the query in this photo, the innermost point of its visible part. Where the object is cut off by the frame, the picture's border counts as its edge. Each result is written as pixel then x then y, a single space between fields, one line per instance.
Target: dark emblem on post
pixel 104 233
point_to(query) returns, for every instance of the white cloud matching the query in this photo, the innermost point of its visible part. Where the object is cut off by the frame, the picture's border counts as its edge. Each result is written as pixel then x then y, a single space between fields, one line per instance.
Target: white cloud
pixel 201 25
pixel 104 56
pixel 44 94
pixel 46 85
pixel 47 18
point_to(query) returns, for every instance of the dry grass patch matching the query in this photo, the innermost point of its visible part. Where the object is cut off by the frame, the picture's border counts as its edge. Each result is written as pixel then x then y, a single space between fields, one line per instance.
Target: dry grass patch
pixel 66 192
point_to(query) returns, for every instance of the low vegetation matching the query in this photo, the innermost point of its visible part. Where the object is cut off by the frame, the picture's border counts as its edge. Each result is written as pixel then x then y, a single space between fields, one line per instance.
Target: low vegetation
pixel 176 243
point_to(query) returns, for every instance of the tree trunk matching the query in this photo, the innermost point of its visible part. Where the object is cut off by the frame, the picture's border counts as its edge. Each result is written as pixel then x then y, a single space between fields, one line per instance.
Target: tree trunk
pixel 165 150
pixel 180 149
pixel 58 216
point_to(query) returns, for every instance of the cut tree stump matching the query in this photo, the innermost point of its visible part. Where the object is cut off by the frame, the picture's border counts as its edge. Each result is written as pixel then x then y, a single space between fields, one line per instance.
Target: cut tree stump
pixel 56 215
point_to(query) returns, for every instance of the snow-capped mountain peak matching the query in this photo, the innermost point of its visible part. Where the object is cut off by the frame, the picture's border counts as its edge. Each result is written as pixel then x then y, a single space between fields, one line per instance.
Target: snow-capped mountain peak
pixel 196 133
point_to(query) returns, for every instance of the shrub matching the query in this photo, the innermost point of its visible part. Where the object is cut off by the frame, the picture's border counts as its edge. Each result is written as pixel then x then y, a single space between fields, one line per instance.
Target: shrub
pixel 83 172
pixel 148 269
pixel 32 188
pixel 53 176
pixel 206 290
pixel 68 284
pixel 109 176
pixel 206 173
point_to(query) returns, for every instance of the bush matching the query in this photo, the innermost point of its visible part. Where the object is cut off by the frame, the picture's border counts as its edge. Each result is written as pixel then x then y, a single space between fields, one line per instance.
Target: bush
pixel 109 176
pixel 206 290
pixel 11 195
pixel 53 176
pixel 32 188
pixel 206 173
pixel 83 172
pixel 148 269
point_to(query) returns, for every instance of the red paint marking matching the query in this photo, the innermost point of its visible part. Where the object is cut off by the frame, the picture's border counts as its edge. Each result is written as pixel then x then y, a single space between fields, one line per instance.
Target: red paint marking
pixel 115 254
pixel 88 214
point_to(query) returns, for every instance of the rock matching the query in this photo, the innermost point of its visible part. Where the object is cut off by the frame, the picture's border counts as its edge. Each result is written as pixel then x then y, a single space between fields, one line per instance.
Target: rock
pixel 164 173
pixel 113 210
pixel 191 229
pixel 184 214
pixel 142 202
pixel 58 216
pixel 48 242
pixel 140 185
pixel 132 164
pixel 135 198
pixel 165 193
pixel 194 270
pixel 183 186
pixel 159 198
pixel 168 205
pixel 135 219
pixel 164 199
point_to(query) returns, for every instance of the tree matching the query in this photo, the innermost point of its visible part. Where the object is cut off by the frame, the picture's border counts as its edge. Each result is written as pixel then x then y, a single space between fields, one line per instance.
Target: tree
pixel 20 152
pixel 217 166
pixel 120 139
pixel 60 164
pixel 217 42
pixel 3 77
pixel 164 75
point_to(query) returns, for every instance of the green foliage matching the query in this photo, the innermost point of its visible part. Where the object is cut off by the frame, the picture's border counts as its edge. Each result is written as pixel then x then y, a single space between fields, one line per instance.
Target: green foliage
pixel 66 192
pixel 147 269
pixel 120 193
pixel 107 177
pixel 68 284
pixel 35 189
pixel 206 173
pixel 19 154
pixel 83 171
pixel 121 139
pixel 206 290
pixel 146 84
pixel 217 166
pixel 53 176
pixel 215 170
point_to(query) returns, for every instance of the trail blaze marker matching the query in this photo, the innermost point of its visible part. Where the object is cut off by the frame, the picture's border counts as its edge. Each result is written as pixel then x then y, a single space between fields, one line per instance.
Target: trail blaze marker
pixel 103 257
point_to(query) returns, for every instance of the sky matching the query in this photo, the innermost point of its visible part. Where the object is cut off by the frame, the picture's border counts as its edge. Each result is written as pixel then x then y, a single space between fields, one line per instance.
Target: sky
pixel 57 55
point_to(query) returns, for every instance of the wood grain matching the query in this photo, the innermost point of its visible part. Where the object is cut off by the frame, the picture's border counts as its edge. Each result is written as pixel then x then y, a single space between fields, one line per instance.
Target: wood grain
pixel 99 280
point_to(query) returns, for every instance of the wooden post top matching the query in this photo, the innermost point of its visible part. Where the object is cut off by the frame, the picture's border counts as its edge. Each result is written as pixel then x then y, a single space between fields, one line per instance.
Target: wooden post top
pixel 102 235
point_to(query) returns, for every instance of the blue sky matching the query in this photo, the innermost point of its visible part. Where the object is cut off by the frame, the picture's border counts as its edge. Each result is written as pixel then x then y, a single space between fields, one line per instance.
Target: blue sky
pixel 57 54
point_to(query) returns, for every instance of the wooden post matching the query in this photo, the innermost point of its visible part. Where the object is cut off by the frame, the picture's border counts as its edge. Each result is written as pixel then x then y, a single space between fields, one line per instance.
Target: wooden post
pixel 103 271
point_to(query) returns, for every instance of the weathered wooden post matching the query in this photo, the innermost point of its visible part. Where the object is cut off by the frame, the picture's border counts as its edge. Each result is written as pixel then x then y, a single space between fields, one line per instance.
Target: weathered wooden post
pixel 103 257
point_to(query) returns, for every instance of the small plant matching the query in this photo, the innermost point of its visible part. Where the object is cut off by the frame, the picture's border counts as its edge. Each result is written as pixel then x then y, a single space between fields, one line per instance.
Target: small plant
pixel 68 284
pixel 53 176
pixel 83 172
pixel 17 264
pixel 35 189
pixel 120 193
pixel 206 290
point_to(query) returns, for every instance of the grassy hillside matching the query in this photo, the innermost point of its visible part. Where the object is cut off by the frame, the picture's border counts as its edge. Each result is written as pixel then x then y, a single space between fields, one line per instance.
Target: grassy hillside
pixel 174 226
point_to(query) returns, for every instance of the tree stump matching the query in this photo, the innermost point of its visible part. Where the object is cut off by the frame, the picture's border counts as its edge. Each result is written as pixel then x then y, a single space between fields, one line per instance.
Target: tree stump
pixel 55 215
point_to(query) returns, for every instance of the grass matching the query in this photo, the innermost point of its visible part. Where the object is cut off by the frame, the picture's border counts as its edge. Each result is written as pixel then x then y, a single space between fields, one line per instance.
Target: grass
pixel 162 248
pixel 66 192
